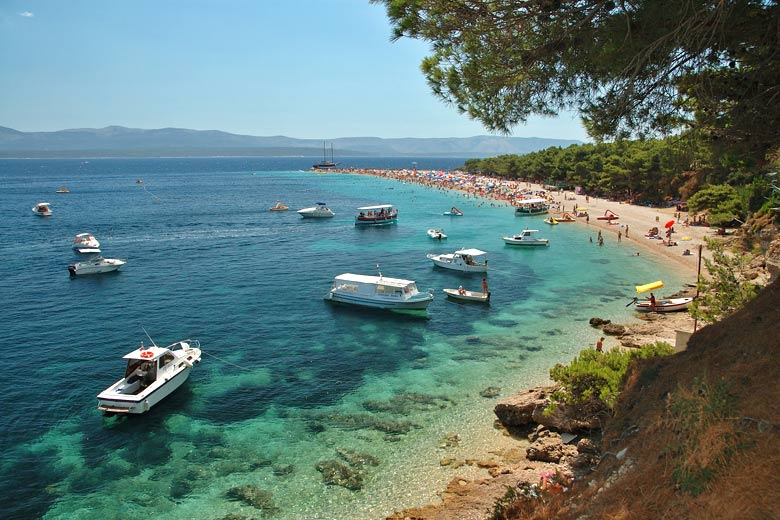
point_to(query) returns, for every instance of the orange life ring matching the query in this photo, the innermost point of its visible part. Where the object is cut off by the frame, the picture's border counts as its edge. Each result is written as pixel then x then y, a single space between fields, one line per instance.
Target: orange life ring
pixel 147 354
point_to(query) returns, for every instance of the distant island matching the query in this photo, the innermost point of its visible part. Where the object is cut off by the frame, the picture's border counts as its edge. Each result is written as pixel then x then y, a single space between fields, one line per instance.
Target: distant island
pixel 119 141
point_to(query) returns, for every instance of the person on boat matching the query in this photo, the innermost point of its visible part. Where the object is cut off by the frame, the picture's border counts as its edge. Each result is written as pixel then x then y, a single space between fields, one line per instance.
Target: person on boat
pixel 461 290
pixel 139 374
pixel 484 286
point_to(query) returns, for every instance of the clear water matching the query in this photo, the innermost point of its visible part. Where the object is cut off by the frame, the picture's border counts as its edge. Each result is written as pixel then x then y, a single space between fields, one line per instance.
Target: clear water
pixel 297 379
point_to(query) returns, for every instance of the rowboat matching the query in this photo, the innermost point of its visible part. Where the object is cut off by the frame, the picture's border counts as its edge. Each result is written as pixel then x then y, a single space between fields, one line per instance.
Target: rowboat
pixel 665 305
pixel 467 296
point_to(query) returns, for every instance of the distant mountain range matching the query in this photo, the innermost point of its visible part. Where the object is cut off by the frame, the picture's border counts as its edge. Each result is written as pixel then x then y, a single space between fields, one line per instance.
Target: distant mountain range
pixel 118 141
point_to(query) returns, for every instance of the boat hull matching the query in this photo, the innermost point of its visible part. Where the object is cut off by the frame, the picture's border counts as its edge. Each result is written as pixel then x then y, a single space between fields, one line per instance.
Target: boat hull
pixel 377 222
pixel 529 243
pixel 667 305
pixel 417 302
pixel 112 402
pixel 528 212
pixel 458 266
pixel 84 268
pixel 315 213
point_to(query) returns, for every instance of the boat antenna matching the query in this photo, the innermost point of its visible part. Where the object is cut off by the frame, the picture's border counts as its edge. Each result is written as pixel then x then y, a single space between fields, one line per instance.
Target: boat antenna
pixel 148 336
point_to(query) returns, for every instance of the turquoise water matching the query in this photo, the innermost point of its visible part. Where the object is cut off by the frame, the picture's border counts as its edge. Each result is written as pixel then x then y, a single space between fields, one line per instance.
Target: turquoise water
pixel 287 381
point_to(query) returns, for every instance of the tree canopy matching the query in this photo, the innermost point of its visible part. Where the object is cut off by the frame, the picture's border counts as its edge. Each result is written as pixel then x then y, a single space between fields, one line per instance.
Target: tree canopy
pixel 629 67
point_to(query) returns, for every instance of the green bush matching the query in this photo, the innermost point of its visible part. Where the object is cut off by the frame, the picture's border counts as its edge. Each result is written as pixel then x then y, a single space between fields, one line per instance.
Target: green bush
pixel 593 379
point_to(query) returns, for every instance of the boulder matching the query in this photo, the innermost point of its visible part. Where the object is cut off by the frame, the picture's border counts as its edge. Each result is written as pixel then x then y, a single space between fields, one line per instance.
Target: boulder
pixel 570 419
pixel 613 329
pixel 549 448
pixel 599 322
pixel 518 409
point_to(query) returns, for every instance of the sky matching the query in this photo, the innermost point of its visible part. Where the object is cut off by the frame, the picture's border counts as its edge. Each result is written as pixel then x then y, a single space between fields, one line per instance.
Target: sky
pixel 314 69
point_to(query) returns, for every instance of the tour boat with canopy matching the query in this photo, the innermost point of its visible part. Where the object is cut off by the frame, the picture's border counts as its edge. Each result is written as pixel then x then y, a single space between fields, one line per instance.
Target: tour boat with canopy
pixel 378 292
pixel 379 215
pixel 528 207
pixel 468 296
pixel 151 374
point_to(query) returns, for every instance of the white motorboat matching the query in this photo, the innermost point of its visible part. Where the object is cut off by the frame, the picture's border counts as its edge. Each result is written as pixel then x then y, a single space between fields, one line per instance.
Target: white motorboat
pixel 526 238
pixel 378 292
pixel 438 234
pixel 663 305
pixel 526 207
pixel 150 376
pixel 381 215
pixel 321 210
pixel 95 266
pixel 468 296
pixel 42 209
pixel 466 260
pixel 86 243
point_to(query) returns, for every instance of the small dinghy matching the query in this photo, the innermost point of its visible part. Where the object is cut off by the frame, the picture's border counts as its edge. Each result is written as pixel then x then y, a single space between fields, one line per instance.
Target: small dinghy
pixel 151 375
pixel 467 296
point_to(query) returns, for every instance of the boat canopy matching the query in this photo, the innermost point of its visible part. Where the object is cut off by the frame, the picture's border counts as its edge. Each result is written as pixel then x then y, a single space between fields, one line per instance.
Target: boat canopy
pixel 649 287
pixel 363 278
pixel 472 252
pixel 380 206
pixel 142 354
pixel 531 201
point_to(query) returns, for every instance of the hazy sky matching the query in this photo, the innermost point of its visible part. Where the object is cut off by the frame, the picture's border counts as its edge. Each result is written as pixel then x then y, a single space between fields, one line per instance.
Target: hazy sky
pixel 300 68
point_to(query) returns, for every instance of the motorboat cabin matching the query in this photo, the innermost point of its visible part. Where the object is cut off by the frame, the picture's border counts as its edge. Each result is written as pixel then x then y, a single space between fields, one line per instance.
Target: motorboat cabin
pixel 378 291
pixel 86 243
pixel 381 215
pixel 151 374
pixel 321 210
pixel 96 265
pixel 466 260
pixel 526 238
pixel 42 209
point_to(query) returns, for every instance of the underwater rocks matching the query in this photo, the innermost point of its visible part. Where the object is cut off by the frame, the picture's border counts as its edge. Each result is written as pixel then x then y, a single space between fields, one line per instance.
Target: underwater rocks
pixel 406 403
pixel 337 473
pixel 349 475
pixel 490 392
pixel 254 496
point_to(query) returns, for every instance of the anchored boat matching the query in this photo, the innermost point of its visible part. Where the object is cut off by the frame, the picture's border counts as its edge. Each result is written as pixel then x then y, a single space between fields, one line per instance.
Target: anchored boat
pixel 465 260
pixel 151 375
pixel 378 292
pixel 526 238
pixel 380 215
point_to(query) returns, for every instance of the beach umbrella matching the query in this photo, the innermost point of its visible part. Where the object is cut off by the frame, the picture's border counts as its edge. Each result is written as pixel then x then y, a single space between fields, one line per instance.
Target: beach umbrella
pixel 669 224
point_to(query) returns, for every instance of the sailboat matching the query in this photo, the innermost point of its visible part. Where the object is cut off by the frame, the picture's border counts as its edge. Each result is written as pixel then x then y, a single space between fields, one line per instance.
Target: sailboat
pixel 325 164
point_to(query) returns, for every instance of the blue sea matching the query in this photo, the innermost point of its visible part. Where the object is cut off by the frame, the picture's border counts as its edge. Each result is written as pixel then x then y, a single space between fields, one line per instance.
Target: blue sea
pixel 288 382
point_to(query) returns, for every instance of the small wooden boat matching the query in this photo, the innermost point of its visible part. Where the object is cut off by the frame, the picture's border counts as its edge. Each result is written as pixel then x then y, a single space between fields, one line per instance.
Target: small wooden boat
pixel 63 190
pixel 663 305
pixel 467 296
pixel 278 207
pixel 438 234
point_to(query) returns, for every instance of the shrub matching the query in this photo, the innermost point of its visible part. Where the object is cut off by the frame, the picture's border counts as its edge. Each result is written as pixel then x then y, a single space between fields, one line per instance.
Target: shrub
pixel 593 379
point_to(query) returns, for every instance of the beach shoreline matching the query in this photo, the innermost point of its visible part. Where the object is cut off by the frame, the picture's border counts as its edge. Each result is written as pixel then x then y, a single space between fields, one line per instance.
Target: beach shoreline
pixel 466 496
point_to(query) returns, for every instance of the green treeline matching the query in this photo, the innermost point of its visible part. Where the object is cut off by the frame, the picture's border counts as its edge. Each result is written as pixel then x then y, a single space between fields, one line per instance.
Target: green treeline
pixel 641 171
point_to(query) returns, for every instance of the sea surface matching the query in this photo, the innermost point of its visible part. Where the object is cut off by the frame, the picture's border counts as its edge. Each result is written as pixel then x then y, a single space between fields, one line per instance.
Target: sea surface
pixel 288 382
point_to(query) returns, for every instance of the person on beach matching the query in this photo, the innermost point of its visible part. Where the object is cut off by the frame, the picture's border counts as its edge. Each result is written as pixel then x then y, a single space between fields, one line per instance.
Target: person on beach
pixel 484 286
pixel 600 345
pixel 626 230
pixel 620 235
pixel 652 301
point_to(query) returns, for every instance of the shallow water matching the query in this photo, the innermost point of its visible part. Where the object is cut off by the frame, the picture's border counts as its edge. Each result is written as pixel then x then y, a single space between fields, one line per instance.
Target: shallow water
pixel 287 380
